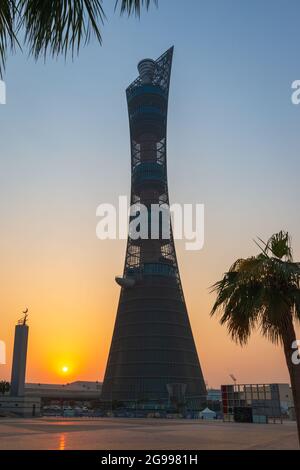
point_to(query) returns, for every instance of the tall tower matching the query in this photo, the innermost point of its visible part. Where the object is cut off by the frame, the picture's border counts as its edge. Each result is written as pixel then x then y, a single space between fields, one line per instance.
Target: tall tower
pixel 19 358
pixel 152 354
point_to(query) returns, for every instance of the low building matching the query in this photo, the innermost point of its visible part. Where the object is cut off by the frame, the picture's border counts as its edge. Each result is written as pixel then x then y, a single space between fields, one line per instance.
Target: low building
pixel 74 391
pixel 214 394
pixel 286 399
pixel 255 402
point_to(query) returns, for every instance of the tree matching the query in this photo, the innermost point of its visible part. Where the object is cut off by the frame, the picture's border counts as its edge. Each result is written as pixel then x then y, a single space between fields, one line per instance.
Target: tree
pixel 4 387
pixel 55 27
pixel 263 292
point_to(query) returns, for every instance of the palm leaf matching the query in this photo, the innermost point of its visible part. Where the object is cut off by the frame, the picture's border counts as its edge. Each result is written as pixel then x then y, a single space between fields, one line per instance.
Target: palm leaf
pixel 133 6
pixel 57 26
pixel 8 38
pixel 260 292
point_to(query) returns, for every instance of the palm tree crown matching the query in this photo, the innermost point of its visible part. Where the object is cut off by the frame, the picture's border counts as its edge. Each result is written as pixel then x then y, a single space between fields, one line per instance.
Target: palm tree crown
pixel 55 26
pixel 261 291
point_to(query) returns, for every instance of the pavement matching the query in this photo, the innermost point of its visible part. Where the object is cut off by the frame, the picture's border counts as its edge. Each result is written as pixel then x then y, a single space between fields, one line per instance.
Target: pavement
pixel 144 434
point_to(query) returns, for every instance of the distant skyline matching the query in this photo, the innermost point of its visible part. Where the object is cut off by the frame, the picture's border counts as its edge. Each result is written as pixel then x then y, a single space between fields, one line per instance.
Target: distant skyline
pixel 233 144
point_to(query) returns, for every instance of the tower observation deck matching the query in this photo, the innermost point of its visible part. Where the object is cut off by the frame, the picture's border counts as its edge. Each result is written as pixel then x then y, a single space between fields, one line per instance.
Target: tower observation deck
pixel 152 354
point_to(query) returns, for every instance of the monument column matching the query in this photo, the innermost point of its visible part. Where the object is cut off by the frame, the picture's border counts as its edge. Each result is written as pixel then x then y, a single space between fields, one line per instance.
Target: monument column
pixel 19 358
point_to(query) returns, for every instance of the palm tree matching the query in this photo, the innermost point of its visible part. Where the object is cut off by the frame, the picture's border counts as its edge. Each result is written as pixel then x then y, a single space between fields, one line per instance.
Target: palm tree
pixel 55 26
pixel 4 387
pixel 263 292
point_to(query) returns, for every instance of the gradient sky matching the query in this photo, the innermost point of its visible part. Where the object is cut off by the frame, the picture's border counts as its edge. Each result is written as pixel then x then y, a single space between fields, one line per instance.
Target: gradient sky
pixel 233 144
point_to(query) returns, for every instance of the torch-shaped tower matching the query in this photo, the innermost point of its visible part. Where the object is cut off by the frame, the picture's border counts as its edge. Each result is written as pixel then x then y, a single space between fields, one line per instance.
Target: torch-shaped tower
pixel 152 354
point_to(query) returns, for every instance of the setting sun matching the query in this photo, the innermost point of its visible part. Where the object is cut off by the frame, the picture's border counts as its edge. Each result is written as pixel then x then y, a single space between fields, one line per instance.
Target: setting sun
pixel 65 369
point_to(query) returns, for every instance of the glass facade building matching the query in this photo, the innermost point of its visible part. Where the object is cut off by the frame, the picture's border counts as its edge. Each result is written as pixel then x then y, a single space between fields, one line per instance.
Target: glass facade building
pixel 251 402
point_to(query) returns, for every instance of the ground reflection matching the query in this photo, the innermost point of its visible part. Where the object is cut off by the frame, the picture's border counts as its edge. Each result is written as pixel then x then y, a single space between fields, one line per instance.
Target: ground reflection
pixel 62 442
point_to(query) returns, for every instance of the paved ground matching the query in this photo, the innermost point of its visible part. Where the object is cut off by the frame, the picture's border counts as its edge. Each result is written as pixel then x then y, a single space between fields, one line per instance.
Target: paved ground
pixel 146 434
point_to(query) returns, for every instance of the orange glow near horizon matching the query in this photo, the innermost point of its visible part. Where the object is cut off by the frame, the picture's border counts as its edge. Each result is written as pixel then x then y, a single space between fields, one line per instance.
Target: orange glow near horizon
pixel 72 314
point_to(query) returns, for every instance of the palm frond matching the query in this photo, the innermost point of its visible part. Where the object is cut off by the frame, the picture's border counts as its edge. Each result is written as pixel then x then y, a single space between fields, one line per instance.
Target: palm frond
pixel 280 245
pixel 239 304
pixel 8 38
pixel 264 251
pixel 296 307
pixel 133 6
pixel 260 292
pixel 57 26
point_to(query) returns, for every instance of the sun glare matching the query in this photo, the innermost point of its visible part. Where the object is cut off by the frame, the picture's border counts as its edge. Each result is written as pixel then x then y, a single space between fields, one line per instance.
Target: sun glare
pixel 65 369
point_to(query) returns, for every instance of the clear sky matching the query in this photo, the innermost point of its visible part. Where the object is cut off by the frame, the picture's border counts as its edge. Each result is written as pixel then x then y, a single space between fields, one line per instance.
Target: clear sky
pixel 233 144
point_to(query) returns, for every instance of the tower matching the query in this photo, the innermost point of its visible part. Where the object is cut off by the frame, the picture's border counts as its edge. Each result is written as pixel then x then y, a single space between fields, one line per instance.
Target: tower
pixel 152 354
pixel 19 358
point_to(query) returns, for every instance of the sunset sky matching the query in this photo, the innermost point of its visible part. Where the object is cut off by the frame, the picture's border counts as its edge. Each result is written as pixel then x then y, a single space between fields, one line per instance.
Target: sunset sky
pixel 233 144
